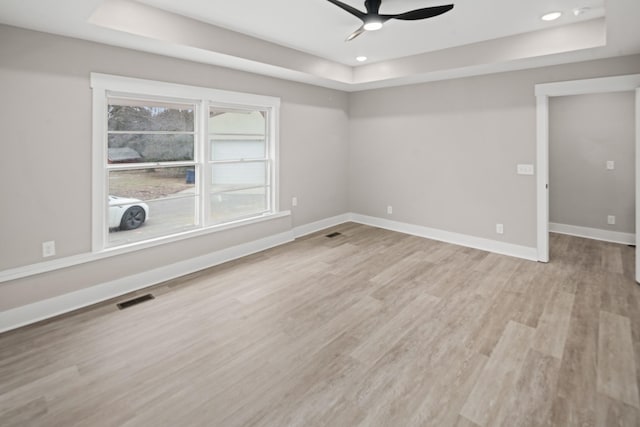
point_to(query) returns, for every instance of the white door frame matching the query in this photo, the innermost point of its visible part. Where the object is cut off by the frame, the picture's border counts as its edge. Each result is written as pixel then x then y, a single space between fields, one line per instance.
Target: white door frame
pixel 637 182
pixel 575 87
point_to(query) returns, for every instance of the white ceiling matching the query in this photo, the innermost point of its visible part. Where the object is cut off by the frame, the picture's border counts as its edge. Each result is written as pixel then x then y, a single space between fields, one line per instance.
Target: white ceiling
pixel 320 28
pixel 304 40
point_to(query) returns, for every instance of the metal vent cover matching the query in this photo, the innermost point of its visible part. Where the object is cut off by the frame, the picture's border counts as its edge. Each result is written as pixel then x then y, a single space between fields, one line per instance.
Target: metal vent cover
pixel 134 301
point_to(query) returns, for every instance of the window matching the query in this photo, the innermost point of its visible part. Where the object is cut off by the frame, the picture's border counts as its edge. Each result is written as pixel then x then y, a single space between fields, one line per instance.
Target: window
pixel 239 163
pixel 171 160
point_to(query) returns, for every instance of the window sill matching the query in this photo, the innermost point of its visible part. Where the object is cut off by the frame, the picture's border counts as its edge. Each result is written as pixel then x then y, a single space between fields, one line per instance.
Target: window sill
pixel 70 261
pixel 129 247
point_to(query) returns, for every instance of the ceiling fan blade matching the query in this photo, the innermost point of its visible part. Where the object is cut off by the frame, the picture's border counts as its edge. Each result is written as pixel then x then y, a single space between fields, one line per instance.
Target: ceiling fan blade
pixel 352 10
pixel 355 34
pixel 427 12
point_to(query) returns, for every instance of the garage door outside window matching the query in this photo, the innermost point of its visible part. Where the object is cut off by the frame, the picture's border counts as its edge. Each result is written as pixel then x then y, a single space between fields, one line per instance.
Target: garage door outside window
pixel 173 159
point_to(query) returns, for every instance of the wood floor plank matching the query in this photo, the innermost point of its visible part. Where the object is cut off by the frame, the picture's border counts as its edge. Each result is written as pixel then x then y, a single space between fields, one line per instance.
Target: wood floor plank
pixel 531 401
pixel 389 334
pixel 46 386
pixel 393 377
pixel 426 397
pixel 617 297
pixel 522 280
pixel 24 413
pixel 616 361
pixel 405 269
pixel 443 280
pixel 629 263
pixel 499 264
pixel 553 327
pixel 505 307
pixel 498 377
pixel 564 414
pixel 576 400
pixel 611 260
pixel 614 413
pixel 464 422
pixel 307 394
pixel 369 328
pixel 633 312
pixel 447 394
pixel 490 284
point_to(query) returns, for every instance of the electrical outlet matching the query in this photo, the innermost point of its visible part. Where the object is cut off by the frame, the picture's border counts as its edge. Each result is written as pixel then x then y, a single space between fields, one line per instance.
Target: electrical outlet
pixel 389 210
pixel 294 202
pixel 611 220
pixel 500 228
pixel 611 165
pixel 48 248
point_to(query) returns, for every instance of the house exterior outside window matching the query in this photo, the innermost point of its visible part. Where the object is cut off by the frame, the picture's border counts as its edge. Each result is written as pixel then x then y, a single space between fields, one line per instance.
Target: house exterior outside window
pixel 173 160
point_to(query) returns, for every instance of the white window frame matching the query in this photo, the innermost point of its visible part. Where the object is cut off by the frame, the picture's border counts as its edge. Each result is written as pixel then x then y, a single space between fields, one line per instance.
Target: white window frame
pixel 105 86
pixel 269 157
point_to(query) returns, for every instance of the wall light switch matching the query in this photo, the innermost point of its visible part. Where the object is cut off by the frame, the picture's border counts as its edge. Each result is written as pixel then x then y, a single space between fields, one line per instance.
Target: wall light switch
pixel 525 169
pixel 294 202
pixel 611 165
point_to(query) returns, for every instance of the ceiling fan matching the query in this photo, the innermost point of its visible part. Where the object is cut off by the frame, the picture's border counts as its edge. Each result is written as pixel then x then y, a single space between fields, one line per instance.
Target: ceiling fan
pixel 372 20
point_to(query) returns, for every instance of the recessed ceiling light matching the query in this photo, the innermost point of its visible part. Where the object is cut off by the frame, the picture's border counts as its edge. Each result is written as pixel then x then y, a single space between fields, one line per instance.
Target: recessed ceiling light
pixel 361 58
pixel 551 16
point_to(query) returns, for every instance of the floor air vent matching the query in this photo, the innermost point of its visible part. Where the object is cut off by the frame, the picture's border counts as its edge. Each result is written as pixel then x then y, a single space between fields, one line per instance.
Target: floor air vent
pixel 134 301
pixel 332 235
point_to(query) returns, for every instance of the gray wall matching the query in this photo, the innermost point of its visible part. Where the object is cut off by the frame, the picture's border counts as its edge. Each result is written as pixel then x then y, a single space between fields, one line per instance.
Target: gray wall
pixel 584 132
pixel 45 165
pixel 444 154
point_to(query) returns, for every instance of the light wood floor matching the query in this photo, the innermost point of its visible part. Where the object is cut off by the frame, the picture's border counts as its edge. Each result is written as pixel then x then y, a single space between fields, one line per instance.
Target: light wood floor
pixel 368 328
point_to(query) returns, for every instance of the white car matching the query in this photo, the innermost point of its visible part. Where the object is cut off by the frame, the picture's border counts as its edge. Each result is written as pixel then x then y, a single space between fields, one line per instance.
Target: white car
pixel 127 214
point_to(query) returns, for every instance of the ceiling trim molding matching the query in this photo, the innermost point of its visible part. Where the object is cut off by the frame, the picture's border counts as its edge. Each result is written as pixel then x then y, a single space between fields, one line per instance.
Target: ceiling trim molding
pixel 228 48
pixel 136 25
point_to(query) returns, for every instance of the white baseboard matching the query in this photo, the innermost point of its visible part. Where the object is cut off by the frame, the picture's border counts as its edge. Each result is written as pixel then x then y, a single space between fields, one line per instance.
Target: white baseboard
pixel 41 310
pixel 489 245
pixel 593 233
pixel 305 229
pixel 73 260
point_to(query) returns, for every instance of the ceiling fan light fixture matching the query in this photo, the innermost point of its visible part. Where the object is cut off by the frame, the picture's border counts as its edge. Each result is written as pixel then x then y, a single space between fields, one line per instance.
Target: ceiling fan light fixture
pixel 551 16
pixel 372 25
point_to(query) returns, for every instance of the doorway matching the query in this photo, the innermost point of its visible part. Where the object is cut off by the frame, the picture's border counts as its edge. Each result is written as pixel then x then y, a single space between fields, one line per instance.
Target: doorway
pixel 576 87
